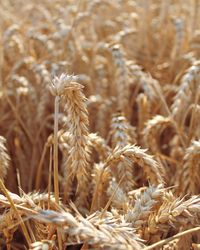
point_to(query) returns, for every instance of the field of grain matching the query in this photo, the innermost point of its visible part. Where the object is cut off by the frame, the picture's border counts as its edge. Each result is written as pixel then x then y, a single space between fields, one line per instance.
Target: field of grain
pixel 100 124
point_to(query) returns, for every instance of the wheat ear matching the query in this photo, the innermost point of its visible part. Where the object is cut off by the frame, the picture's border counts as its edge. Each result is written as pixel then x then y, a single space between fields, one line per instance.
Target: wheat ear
pixel 120 137
pixel 137 155
pixel 175 213
pixel 144 204
pixel 153 130
pixel 77 164
pixel 107 231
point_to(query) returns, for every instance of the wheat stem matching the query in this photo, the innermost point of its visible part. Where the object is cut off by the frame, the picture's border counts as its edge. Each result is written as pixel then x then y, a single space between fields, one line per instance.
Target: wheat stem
pixel 55 149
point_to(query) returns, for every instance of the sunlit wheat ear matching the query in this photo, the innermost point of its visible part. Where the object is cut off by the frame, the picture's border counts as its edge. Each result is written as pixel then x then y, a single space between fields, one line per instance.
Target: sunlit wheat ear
pixel 144 205
pixel 61 83
pixel 57 88
pixel 4 158
pixel 105 231
pixel 135 154
pixel 177 212
pixel 78 163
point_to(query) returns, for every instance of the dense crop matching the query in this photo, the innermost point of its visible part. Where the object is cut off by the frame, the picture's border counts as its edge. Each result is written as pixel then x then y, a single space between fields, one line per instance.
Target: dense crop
pixel 99 124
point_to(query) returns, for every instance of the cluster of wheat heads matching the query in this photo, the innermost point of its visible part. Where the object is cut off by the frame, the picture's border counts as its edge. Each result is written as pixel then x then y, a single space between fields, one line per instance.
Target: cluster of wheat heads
pixel 99 124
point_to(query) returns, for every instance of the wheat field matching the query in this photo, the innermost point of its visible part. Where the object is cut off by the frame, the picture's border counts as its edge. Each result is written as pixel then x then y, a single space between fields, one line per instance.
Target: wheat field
pixel 100 124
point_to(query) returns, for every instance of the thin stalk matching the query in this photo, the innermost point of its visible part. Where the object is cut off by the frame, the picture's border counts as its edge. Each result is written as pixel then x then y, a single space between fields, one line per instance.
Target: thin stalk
pixel 55 149
pixel 39 169
pixel 50 174
pixel 19 119
pixel 27 223
pixel 19 182
pixel 55 162
pixel 112 197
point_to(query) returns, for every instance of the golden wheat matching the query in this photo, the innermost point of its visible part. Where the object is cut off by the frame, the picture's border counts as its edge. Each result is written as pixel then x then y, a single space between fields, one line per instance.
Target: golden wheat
pixel 99 124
